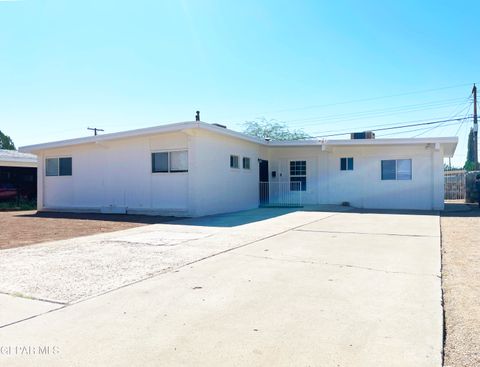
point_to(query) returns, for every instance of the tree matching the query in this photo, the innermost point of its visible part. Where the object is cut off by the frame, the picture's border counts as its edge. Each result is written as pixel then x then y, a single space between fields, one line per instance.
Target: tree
pixel 273 130
pixel 470 162
pixel 6 142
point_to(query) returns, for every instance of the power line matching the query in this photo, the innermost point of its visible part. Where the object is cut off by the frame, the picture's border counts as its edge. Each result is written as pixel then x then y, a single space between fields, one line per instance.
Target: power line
pixel 367 113
pixel 400 127
pixel 420 129
pixel 466 107
pixel 374 127
pixel 364 99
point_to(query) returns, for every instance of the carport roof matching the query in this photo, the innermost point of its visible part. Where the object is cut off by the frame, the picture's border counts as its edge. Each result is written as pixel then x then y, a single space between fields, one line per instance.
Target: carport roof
pixel 14 158
pixel 449 143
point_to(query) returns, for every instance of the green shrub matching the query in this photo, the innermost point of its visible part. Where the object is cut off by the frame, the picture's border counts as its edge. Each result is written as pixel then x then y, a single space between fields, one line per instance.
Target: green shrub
pixel 21 204
pixel 471 191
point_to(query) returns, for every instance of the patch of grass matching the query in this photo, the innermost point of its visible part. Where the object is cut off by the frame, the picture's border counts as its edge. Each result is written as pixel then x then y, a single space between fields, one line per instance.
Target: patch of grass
pixel 22 204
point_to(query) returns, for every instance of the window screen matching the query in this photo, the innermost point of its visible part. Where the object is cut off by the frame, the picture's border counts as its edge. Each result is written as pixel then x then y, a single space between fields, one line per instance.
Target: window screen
pixel 346 164
pixel 388 170
pixel 234 161
pixel 246 163
pixel 51 166
pixel 58 166
pixel 404 169
pixel 400 169
pixel 160 162
pixel 65 166
pixel 179 161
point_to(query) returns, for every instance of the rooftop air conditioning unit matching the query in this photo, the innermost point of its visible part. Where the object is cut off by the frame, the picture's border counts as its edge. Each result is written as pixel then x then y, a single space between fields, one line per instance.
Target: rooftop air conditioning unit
pixel 363 135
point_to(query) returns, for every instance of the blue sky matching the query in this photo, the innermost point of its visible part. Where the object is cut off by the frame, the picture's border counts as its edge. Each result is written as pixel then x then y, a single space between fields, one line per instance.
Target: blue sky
pixel 118 65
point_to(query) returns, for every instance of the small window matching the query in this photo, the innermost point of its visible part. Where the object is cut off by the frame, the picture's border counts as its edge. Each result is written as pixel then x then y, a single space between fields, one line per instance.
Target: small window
pixel 298 175
pixel 179 161
pixel 404 169
pixel 58 166
pixel 246 163
pixel 400 169
pixel 234 161
pixel 160 162
pixel 175 161
pixel 346 164
pixel 51 167
pixel 65 166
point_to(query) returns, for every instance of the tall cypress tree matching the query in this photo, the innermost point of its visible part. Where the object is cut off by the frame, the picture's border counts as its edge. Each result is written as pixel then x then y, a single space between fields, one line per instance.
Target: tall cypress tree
pixel 469 164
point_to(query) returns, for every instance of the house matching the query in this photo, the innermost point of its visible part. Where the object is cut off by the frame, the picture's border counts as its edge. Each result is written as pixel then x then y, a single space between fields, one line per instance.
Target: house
pixel 18 175
pixel 196 168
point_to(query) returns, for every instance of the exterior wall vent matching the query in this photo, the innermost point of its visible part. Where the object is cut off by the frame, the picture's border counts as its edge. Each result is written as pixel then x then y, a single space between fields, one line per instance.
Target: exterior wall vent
pixel 363 135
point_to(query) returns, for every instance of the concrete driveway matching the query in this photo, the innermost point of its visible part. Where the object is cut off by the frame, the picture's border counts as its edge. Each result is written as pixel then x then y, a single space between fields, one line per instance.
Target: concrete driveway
pixel 269 287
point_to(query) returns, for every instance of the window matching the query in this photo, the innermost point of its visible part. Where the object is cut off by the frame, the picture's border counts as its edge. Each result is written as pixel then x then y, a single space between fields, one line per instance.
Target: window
pixel 404 169
pixel 58 166
pixel 298 175
pixel 179 161
pixel 234 161
pixel 175 161
pixel 246 163
pixel 397 169
pixel 346 164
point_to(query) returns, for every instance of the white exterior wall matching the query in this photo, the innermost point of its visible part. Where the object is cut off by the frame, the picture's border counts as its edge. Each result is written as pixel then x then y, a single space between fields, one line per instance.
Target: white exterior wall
pixel 215 187
pixel 363 187
pixel 279 161
pixel 117 174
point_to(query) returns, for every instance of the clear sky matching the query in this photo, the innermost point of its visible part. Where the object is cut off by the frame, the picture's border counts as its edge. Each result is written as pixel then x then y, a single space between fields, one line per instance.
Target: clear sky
pixel 120 65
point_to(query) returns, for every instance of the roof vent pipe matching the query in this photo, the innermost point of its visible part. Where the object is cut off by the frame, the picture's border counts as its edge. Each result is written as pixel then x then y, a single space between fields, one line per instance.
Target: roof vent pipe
pixel 197 116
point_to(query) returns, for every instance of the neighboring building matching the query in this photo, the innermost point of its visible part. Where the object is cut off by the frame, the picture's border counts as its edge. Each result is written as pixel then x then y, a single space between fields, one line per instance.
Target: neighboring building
pixel 195 168
pixel 18 175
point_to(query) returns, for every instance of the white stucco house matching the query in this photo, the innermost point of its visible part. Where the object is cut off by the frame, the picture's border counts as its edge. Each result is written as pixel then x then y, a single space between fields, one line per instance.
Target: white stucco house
pixel 196 168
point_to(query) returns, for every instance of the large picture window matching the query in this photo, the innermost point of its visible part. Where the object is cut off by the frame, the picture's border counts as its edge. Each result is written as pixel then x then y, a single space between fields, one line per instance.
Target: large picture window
pixel 397 169
pixel 298 175
pixel 174 161
pixel 58 166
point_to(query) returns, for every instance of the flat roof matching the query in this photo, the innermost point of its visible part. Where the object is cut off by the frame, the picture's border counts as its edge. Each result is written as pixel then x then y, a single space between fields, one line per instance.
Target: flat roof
pixel 13 157
pixel 449 143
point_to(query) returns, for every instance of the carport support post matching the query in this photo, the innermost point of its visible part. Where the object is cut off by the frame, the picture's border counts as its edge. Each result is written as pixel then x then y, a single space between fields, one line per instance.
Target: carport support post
pixel 40 179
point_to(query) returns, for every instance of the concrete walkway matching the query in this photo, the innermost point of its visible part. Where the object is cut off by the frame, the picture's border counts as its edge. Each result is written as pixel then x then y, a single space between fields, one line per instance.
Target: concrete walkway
pixel 260 288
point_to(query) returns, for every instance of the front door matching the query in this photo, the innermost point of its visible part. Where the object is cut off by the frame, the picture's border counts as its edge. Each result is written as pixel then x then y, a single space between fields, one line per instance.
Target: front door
pixel 263 178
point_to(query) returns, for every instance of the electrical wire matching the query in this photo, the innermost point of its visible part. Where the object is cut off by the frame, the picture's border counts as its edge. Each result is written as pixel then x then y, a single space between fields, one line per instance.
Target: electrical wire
pixel 363 99
pixel 401 127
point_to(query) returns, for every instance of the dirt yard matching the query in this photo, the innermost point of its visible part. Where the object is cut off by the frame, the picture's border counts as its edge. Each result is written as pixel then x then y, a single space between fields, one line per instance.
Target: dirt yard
pixel 461 287
pixel 21 228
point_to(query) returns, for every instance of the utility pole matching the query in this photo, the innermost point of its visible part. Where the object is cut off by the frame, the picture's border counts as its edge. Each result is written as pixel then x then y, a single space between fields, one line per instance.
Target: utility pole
pixel 94 130
pixel 475 127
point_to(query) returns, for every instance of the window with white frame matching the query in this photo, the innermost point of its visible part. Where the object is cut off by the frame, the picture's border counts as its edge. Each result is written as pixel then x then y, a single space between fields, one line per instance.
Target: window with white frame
pixel 173 161
pixel 234 161
pixel 298 175
pixel 61 166
pixel 397 169
pixel 346 164
pixel 246 163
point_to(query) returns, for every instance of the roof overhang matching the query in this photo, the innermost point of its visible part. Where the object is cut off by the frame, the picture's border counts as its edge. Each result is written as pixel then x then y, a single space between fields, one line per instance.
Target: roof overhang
pixel 448 144
pixel 162 129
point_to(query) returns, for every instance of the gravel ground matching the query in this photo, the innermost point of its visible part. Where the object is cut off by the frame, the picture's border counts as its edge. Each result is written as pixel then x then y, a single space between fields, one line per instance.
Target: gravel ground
pixel 461 287
pixel 21 228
